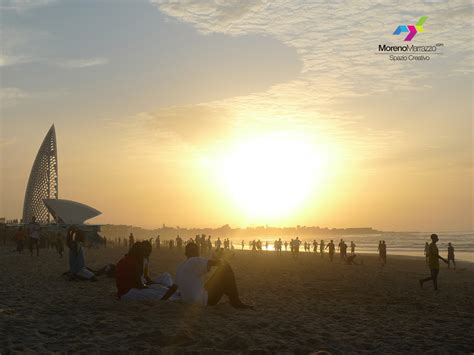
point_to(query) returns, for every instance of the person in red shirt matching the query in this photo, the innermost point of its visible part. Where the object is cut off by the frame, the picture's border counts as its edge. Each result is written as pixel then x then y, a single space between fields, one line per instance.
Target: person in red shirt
pixel 129 272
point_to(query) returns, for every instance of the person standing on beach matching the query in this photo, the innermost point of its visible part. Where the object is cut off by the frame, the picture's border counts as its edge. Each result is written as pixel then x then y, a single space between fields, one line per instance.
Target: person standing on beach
pixel 34 235
pixel 353 247
pixel 20 237
pixel 433 257
pixel 332 249
pixel 383 253
pixel 315 246
pixel 59 244
pixel 340 248
pixel 321 248
pixel 131 240
pixel 243 244
pixel 451 256
pixel 158 242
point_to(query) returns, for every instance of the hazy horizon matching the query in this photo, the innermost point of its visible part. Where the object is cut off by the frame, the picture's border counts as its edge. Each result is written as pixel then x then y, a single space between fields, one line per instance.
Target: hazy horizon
pixel 237 113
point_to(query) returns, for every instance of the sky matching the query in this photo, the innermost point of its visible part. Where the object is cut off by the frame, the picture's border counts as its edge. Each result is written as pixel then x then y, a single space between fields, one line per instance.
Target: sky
pixel 204 113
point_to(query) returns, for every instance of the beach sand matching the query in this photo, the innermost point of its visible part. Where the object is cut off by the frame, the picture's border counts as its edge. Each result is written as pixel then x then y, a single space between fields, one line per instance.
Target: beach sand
pixel 301 306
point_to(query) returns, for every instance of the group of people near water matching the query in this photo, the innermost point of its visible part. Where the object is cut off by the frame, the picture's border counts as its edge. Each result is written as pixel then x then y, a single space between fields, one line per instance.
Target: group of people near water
pixel 132 271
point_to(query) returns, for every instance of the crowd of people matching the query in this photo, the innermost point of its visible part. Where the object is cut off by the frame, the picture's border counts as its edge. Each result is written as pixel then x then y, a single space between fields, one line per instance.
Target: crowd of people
pixel 132 271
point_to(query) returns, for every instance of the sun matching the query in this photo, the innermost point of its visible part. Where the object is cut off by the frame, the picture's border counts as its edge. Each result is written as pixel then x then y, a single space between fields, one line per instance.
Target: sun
pixel 272 176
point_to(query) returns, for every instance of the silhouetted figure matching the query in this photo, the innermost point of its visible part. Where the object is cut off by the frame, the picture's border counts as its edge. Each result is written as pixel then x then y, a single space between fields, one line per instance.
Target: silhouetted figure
pixel 158 242
pixel 218 243
pixel 433 258
pixel 131 240
pixel 332 249
pixel 451 256
pixel 427 252
pixel 315 246
pixel 383 253
pixel 286 245
pixel 243 244
pixel 59 244
pixel 321 248
pixel 179 242
pixel 189 281
pixel 20 236
pixel 34 236
pixel 340 248
pixel 353 247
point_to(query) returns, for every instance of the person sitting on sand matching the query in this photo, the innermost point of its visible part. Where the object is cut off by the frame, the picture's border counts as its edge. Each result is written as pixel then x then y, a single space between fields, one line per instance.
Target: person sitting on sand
pixel 433 263
pixel 164 278
pixel 190 281
pixel 77 265
pixel 451 256
pixel 129 276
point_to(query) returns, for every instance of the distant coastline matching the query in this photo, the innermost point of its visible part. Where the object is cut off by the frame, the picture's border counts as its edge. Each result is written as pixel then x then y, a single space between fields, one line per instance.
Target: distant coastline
pixel 112 230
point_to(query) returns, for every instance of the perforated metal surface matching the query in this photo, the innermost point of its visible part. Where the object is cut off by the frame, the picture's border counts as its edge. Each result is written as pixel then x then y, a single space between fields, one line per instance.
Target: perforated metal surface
pixel 43 180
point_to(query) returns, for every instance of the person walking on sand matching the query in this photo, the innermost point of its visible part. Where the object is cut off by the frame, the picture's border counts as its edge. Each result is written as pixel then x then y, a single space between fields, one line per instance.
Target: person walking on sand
pixel 34 235
pixel 321 248
pixel 332 249
pixel 315 246
pixel 433 257
pixel 451 256
pixel 427 252
pixel 353 247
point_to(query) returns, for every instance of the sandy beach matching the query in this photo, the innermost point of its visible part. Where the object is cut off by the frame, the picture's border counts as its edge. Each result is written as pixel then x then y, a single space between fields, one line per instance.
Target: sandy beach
pixel 301 306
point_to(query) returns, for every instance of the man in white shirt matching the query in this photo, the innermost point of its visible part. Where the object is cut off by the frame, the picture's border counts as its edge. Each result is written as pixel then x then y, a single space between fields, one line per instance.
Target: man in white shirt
pixel 190 280
pixel 34 235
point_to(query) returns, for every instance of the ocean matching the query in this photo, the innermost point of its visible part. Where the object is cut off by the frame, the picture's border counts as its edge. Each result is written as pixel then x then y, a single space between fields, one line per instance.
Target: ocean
pixel 410 244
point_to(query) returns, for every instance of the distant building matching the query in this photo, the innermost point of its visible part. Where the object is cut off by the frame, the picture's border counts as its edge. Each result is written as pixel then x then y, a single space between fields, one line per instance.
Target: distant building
pixel 41 196
pixel 43 180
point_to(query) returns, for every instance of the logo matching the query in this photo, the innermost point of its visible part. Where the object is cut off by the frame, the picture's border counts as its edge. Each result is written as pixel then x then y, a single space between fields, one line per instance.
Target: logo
pixel 411 29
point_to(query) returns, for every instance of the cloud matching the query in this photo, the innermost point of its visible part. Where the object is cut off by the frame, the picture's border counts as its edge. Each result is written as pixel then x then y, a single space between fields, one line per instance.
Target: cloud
pixel 24 5
pixel 83 62
pixel 10 96
pixel 214 15
pixel 336 42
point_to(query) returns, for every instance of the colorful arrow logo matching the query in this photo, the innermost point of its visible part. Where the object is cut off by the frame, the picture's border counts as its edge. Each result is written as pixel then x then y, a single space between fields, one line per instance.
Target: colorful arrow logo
pixel 411 29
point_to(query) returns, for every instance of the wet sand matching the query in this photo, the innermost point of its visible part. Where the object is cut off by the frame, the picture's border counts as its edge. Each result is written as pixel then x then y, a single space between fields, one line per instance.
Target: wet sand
pixel 301 306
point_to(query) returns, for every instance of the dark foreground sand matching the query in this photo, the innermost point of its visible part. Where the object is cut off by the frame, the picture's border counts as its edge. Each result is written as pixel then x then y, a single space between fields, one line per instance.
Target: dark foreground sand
pixel 301 306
